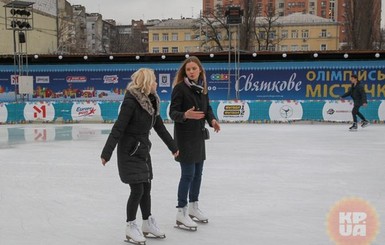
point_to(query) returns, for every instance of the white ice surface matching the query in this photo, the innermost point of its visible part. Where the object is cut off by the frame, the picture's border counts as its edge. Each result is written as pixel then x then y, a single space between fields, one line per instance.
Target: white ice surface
pixel 268 184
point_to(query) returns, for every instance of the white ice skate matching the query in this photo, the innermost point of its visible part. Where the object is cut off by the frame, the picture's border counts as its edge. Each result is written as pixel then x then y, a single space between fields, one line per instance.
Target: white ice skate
pixel 150 227
pixel 184 221
pixel 133 234
pixel 196 214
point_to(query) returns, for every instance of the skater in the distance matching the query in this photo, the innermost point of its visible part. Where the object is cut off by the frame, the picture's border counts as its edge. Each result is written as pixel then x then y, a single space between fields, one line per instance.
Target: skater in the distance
pixel 139 113
pixel 357 92
pixel 189 110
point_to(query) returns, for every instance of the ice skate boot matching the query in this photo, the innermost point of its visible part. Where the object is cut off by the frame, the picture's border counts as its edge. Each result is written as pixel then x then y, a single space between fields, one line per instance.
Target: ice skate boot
pixel 353 127
pixel 133 234
pixel 184 221
pixel 196 214
pixel 149 226
pixel 365 123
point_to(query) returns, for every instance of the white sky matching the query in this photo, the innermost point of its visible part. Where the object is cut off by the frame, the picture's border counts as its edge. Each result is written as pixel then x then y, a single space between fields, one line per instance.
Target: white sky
pixel 124 11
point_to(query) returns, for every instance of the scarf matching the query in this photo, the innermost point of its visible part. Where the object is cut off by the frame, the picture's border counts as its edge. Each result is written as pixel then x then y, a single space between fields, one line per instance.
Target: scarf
pixel 196 87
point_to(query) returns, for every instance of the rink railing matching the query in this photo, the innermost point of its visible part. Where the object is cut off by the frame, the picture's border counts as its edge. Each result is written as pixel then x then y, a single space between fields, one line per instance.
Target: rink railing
pixel 257 111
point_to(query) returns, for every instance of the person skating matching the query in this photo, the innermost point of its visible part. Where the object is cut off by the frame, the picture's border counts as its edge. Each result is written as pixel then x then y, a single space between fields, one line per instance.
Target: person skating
pixel 189 110
pixel 357 92
pixel 138 115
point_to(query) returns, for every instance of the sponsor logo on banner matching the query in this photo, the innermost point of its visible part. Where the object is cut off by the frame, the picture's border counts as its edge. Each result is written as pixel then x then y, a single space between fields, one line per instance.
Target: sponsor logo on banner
pixel 42 79
pixel 219 77
pixel 337 111
pixel 14 79
pixel 164 80
pixel 111 79
pixel 352 221
pixel 3 113
pixel 233 111
pixel 85 110
pixel 39 111
pixel 76 79
pixel 285 111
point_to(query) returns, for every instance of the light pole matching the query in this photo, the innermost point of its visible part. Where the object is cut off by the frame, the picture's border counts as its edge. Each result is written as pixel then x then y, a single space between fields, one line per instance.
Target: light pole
pixel 19 19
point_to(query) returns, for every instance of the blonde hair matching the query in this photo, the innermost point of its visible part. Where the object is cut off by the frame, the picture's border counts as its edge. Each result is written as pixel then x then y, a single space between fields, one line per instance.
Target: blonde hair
pixel 181 73
pixel 142 80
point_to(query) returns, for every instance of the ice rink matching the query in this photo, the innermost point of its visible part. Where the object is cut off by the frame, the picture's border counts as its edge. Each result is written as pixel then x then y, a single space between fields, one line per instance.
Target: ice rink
pixel 268 184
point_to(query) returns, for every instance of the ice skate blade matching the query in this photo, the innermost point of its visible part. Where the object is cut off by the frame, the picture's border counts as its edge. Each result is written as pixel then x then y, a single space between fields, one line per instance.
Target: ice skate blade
pixel 129 240
pixel 181 226
pixel 205 221
pixel 150 235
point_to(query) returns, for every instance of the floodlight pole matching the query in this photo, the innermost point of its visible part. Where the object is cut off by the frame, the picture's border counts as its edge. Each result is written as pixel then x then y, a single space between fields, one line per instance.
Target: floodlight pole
pixel 19 19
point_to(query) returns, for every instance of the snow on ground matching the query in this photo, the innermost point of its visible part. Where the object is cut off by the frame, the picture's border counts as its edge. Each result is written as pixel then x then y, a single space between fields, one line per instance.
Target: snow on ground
pixel 266 184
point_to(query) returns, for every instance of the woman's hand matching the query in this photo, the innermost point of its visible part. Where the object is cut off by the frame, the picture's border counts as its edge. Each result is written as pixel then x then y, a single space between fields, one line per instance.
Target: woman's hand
pixel 193 114
pixel 176 153
pixel 104 162
pixel 215 125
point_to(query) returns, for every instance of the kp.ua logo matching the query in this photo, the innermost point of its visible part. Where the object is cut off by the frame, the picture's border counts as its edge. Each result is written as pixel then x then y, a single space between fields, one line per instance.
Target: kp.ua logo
pixel 352 221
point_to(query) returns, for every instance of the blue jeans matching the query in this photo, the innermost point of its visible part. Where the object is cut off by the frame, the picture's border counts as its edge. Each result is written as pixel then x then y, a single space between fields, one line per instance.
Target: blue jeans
pixel 189 183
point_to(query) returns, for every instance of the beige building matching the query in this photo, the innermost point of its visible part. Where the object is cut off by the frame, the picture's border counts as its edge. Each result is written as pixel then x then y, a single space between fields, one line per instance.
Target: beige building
pixel 42 39
pixel 173 36
pixel 298 32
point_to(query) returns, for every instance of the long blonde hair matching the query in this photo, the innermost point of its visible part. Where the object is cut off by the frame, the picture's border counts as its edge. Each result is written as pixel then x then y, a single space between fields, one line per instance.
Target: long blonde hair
pixel 181 73
pixel 142 80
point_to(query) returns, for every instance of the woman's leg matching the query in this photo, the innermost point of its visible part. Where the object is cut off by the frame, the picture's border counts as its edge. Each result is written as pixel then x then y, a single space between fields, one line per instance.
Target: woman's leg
pixel 145 203
pixel 187 176
pixel 196 183
pixel 134 200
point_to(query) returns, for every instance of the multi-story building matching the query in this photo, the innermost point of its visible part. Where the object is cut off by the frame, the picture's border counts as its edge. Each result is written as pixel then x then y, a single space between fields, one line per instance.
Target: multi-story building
pixel 80 21
pixel 174 36
pixel 336 10
pixel 95 33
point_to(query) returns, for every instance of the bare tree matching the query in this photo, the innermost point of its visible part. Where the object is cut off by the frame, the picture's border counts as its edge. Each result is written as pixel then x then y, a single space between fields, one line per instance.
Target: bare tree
pixel 265 29
pixel 211 27
pixel 360 24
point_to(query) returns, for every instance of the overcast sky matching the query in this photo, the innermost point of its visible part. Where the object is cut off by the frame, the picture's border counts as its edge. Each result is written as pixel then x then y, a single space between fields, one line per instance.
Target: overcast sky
pixel 123 11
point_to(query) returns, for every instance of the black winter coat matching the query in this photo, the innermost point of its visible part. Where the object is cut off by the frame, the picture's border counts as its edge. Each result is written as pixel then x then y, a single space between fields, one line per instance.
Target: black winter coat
pixel 131 131
pixel 357 93
pixel 188 133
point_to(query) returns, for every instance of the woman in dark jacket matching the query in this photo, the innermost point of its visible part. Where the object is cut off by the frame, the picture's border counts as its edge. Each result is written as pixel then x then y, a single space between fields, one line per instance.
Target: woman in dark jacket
pixel 190 109
pixel 357 92
pixel 139 113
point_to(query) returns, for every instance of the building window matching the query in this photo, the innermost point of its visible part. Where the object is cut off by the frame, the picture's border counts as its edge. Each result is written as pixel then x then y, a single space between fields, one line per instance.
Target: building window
pixel 155 37
pixel 187 36
pixel 165 37
pixel 305 33
pixel 305 47
pixel 323 33
pixel 165 50
pixel 294 34
pixel 174 50
pixel 175 36
pixel 262 35
pixel 323 47
pixel 281 5
pixel 284 47
pixel 285 34
pixel 155 50
pixel 294 47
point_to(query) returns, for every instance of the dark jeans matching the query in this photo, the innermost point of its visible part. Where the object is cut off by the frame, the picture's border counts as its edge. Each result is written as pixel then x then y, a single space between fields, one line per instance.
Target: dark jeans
pixel 189 183
pixel 356 112
pixel 140 195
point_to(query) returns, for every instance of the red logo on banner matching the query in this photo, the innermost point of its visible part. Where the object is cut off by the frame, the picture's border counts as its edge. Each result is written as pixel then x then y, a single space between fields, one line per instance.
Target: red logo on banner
pixel 40 111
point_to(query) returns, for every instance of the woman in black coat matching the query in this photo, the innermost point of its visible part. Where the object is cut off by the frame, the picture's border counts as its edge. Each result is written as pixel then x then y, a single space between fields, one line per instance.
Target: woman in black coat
pixel 357 92
pixel 190 109
pixel 139 113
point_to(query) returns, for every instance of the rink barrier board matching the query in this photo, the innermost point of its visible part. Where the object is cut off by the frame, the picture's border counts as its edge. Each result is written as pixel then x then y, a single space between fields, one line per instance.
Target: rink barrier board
pixel 225 111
